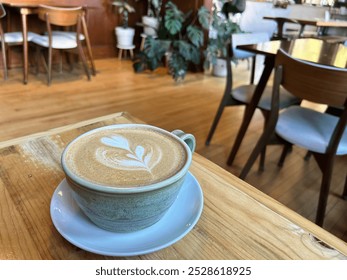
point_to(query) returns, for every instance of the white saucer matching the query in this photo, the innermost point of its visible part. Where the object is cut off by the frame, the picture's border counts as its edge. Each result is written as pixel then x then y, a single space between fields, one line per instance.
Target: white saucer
pixel 75 227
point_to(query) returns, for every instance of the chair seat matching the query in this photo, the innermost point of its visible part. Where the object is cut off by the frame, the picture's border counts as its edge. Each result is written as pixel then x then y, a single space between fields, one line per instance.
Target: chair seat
pixel 245 93
pixel 240 54
pixel 58 41
pixel 69 34
pixel 17 37
pixel 309 129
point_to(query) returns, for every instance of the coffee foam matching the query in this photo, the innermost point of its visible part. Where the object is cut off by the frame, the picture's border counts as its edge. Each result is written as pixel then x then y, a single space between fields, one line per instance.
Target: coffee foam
pixel 126 157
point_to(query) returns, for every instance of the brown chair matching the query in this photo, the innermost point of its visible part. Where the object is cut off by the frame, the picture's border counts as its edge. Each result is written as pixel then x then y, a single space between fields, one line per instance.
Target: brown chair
pixel 323 134
pixel 9 39
pixel 84 37
pixel 63 17
pixel 241 96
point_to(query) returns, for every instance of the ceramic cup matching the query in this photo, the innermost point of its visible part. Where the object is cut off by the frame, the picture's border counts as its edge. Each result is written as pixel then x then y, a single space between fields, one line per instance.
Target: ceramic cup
pixel 125 177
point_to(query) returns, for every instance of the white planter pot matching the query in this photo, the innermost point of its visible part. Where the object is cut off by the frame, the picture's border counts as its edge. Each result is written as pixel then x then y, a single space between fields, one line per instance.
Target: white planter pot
pixel 219 69
pixel 151 25
pixel 125 36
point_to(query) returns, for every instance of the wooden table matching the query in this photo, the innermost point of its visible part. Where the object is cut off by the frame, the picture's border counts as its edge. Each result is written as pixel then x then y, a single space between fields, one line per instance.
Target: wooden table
pixel 29 7
pixel 237 222
pixel 314 50
pixel 318 22
pixel 314 21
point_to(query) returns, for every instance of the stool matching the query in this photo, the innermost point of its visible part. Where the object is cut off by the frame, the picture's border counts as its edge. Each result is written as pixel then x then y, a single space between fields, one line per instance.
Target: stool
pixel 144 37
pixel 126 48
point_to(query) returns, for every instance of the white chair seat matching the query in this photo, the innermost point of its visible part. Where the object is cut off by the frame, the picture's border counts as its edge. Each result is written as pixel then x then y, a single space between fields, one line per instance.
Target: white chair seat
pixel 17 37
pixel 58 42
pixel 69 34
pixel 309 129
pixel 245 93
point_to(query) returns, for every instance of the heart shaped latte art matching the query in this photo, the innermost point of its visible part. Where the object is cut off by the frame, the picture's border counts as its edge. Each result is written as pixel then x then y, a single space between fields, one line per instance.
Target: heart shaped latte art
pixel 117 152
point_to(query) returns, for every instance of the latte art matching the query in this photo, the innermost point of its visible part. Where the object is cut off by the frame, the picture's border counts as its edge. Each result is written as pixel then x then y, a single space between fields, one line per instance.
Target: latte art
pixel 117 153
pixel 125 156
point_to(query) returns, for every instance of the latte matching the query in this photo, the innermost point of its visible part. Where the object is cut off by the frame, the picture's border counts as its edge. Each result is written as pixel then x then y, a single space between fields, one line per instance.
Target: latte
pixel 125 156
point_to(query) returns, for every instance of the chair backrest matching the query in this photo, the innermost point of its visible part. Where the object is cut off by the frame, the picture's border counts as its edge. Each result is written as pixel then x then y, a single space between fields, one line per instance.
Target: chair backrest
pixel 60 16
pixel 2 11
pixel 311 81
pixel 2 15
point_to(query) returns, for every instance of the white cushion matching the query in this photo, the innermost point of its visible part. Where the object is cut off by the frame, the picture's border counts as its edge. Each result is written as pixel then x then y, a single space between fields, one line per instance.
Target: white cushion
pixel 245 93
pixel 309 129
pixel 17 37
pixel 58 42
pixel 69 34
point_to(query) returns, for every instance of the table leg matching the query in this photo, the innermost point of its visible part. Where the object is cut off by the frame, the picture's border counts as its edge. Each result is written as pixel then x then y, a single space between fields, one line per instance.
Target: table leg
pixel 250 108
pixel 25 48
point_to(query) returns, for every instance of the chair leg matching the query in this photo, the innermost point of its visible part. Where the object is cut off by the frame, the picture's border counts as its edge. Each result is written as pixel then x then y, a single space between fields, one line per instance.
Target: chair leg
pixel 226 100
pixel 250 108
pixel 84 60
pixel 4 59
pixel 69 60
pixel 259 147
pixel 326 166
pixel 60 61
pixel 262 160
pixel 89 48
pixel 344 194
pixel 263 152
pixel 308 155
pixel 253 69
pixel 239 138
pixel 49 66
pixel 286 149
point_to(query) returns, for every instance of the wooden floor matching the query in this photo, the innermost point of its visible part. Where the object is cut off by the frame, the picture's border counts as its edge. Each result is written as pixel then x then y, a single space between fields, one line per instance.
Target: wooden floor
pixel 157 100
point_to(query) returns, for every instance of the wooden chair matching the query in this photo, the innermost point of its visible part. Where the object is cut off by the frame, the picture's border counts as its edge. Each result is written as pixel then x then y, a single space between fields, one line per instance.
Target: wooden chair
pixel 84 37
pixel 323 134
pixel 241 96
pixel 9 39
pixel 63 17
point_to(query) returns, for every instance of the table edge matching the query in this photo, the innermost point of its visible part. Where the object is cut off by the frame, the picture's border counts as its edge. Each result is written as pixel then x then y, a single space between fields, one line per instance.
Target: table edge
pixel 60 129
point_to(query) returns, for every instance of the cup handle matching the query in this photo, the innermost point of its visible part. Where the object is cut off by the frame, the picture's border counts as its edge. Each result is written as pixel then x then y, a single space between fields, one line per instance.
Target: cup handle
pixel 189 139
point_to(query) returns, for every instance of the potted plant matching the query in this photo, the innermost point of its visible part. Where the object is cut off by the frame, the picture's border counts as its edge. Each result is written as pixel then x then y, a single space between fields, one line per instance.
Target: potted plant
pixel 180 38
pixel 124 33
pixel 151 20
pixel 222 27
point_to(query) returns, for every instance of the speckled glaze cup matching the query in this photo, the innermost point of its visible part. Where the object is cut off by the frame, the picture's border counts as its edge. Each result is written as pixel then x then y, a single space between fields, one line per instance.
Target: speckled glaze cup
pixel 125 177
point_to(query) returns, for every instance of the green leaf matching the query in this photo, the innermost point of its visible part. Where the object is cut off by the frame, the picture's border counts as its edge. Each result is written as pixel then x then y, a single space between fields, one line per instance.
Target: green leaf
pixel 173 26
pixel 195 35
pixel 184 49
pixel 173 19
pixel 204 17
pixel 155 3
pixel 195 55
